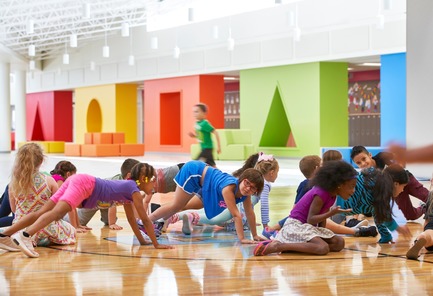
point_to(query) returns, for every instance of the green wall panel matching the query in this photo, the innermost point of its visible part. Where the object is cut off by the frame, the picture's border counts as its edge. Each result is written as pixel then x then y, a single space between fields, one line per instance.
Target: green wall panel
pixel 278 100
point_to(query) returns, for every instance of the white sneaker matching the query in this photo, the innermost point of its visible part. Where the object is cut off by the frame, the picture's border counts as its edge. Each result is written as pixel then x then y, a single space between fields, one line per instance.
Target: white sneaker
pixel 187 224
pixel 6 243
pixel 25 244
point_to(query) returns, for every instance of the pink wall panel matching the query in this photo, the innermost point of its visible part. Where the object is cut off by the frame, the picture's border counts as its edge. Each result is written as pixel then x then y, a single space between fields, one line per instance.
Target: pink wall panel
pixel 49 116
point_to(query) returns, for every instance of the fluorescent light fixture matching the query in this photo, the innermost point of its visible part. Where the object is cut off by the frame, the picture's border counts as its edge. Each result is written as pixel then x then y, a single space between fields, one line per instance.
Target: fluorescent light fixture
pixel 380 21
pixel 176 52
pixel 190 14
pixel 230 41
pixel 65 59
pixel 73 41
pixel 297 34
pixel 349 69
pixel 125 29
pixel 32 65
pixel 231 78
pixel 30 27
pixel 291 18
pixel 230 44
pixel 106 51
pixel 387 4
pixel 32 50
pixel 154 42
pixel 215 32
pixel 131 60
pixel 371 64
pixel 86 10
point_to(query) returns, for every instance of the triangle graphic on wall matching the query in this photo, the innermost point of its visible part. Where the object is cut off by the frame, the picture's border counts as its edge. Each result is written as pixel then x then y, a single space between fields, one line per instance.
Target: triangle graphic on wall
pixel 277 131
pixel 37 133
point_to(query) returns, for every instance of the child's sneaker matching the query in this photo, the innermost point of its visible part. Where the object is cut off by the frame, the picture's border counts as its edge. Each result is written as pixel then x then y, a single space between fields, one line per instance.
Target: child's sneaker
pixel 269 234
pixel 25 244
pixel 366 231
pixel 354 223
pixel 145 236
pixel 7 244
pixel 143 230
pixel 187 223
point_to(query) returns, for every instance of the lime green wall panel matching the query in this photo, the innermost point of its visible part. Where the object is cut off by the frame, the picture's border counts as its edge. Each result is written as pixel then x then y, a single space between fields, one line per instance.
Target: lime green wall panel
pixel 334 125
pixel 278 100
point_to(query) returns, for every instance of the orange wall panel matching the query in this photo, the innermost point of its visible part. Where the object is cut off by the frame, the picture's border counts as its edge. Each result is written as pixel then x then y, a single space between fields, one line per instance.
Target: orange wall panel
pixel 192 90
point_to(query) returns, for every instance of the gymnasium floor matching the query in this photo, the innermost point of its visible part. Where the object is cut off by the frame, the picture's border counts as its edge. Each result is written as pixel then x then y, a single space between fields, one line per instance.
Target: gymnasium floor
pixel 210 261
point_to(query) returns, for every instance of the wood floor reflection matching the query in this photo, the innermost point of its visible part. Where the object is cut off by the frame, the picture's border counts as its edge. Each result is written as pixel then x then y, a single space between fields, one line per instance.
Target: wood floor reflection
pixel 211 262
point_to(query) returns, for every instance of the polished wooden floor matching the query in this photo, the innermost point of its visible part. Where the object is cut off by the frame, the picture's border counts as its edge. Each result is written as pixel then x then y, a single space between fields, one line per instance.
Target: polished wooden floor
pixel 211 262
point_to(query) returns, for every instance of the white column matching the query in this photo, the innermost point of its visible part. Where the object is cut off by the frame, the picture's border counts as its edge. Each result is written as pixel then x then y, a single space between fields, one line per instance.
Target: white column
pixel 419 71
pixel 19 99
pixel 5 108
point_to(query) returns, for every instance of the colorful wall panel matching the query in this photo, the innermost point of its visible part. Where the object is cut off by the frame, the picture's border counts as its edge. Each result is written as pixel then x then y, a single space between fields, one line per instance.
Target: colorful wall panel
pixel 184 93
pixel 294 110
pixel 49 116
pixel 393 98
pixel 106 108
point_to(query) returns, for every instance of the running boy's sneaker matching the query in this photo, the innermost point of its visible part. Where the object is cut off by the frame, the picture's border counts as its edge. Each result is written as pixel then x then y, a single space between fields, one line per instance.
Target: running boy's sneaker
pixel 7 244
pixel 366 231
pixel 25 244
pixel 269 234
pixel 187 223
pixel 354 223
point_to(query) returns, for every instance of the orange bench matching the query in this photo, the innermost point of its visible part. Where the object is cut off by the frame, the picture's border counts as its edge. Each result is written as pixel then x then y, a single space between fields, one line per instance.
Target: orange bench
pixel 131 149
pixel 100 150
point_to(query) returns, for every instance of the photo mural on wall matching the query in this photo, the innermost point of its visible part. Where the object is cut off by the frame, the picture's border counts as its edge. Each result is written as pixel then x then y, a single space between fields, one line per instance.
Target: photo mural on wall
pixel 364 113
pixel 364 97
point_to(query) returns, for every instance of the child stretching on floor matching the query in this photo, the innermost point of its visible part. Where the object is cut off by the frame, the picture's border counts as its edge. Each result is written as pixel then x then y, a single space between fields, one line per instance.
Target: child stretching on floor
pixel 308 166
pixel 63 170
pixel 219 191
pixel 89 192
pixel 425 238
pixel 304 229
pixel 363 159
pixel 29 191
pixel 268 166
pixel 374 193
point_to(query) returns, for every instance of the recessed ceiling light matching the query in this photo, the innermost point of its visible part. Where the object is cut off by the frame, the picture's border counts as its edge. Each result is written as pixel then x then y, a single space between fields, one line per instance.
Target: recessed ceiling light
pixel 371 64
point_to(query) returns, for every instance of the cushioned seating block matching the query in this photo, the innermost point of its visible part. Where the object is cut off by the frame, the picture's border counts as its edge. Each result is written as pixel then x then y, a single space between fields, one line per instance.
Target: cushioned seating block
pixel 131 149
pixel 102 138
pixel 56 146
pixel 72 149
pixel 88 138
pixel 100 150
pixel 118 138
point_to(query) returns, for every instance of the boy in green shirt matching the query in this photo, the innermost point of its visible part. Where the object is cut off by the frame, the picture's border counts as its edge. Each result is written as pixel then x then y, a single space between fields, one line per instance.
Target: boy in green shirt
pixel 203 132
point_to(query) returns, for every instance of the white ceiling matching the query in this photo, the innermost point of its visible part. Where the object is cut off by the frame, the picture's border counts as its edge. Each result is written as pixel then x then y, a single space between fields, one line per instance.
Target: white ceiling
pixel 54 21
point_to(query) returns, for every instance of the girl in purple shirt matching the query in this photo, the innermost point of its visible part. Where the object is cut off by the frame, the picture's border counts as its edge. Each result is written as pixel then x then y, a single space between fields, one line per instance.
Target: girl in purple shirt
pixel 86 191
pixel 304 230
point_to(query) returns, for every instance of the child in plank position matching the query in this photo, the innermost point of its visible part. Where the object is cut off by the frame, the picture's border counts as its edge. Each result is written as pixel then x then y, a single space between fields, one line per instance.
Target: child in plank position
pixel 219 191
pixel 88 192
